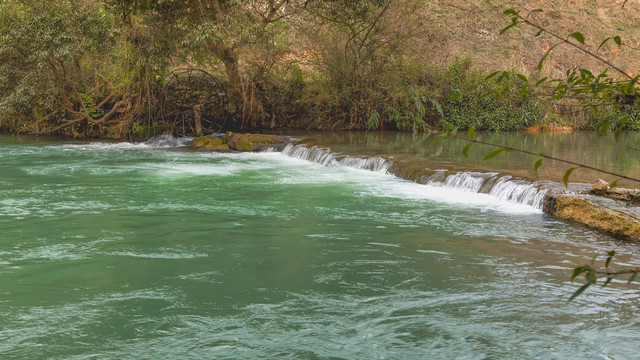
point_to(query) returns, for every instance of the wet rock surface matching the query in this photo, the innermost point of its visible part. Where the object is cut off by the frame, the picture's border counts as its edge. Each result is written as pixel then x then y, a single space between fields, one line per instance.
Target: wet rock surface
pixel 609 215
pixel 240 142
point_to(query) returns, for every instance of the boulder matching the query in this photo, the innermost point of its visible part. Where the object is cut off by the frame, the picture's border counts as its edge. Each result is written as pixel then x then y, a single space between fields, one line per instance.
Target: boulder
pixel 602 214
pixel 252 142
pixel 209 142
pixel 238 142
pixel 600 187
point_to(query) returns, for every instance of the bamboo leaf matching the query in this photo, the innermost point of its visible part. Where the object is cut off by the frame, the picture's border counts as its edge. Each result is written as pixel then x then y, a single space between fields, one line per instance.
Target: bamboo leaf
pixel 578 36
pixel 522 77
pixel 514 22
pixel 472 133
pixel 603 42
pixel 577 271
pixel 613 184
pixel 492 75
pixel 494 153
pixel 541 81
pixel 633 83
pixel 537 165
pixel 565 178
pixel 579 291
pixel 465 151
pixel 437 106
pixel 617 134
pixel 617 40
pixel 545 56
pixel 609 257
pixel 445 137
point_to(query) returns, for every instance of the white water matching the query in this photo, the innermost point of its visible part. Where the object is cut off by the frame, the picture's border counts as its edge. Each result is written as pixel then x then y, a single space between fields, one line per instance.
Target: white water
pixel 501 188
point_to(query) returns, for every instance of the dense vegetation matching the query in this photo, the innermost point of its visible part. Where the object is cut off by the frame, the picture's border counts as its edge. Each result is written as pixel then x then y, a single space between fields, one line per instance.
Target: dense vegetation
pixel 99 68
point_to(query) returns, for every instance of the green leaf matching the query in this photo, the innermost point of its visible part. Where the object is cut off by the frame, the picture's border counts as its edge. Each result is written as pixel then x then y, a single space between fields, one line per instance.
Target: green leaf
pixel 619 154
pixel 565 178
pixel 522 77
pixel 613 184
pixel 610 255
pixel 465 151
pixel 472 133
pixel 510 12
pixel 539 33
pixel 437 106
pixel 537 165
pixel 607 282
pixel 617 40
pixel 591 277
pixel 514 22
pixel 633 277
pixel 494 153
pixel 578 36
pixel 633 83
pixel 541 81
pixel 545 56
pixel 577 271
pixel 579 291
pixel 445 137
pixel 603 42
pixel 617 134
pixel 492 75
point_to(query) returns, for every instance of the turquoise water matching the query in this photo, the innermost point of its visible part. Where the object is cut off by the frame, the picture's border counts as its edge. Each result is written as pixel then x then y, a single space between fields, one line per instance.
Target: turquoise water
pixel 140 251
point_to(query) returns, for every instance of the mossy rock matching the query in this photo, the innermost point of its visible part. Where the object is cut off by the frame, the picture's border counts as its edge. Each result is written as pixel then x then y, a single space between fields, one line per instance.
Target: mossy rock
pixel 208 142
pixel 252 142
pixel 614 222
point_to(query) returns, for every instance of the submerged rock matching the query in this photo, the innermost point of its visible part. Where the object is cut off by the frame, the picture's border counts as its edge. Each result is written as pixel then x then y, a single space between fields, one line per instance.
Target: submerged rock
pixel 239 142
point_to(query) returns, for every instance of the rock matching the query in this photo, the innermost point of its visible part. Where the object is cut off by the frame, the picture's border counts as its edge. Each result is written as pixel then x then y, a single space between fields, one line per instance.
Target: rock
pixel 209 142
pixel 603 214
pixel 252 142
pixel 600 187
pixel 238 142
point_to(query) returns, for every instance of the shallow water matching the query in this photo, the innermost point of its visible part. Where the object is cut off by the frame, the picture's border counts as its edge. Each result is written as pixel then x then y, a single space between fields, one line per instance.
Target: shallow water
pixel 582 147
pixel 143 251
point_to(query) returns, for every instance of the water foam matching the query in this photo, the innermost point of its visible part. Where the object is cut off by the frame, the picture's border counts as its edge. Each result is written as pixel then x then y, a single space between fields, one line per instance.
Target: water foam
pixel 491 188
pixel 157 142
pixel 327 158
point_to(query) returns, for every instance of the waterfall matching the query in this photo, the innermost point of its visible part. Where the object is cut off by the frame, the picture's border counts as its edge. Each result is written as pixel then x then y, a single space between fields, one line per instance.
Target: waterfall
pixel 503 187
pixel 167 140
pixel 327 158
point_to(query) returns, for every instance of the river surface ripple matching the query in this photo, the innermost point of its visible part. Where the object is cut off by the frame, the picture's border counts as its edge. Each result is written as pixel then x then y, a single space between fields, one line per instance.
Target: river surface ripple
pixel 143 251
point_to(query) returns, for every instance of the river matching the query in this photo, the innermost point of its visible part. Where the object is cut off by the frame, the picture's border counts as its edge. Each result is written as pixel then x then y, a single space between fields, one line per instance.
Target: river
pixel 118 250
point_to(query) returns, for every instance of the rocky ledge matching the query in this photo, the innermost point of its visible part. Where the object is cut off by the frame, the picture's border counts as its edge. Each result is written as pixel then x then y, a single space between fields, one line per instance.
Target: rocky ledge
pixel 239 142
pixel 614 211
pixel 598 206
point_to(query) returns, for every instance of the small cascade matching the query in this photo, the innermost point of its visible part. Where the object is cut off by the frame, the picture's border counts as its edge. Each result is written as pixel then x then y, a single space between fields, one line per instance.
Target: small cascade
pixel 166 141
pixel 518 191
pixel 327 158
pixel 466 181
pixel 504 188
